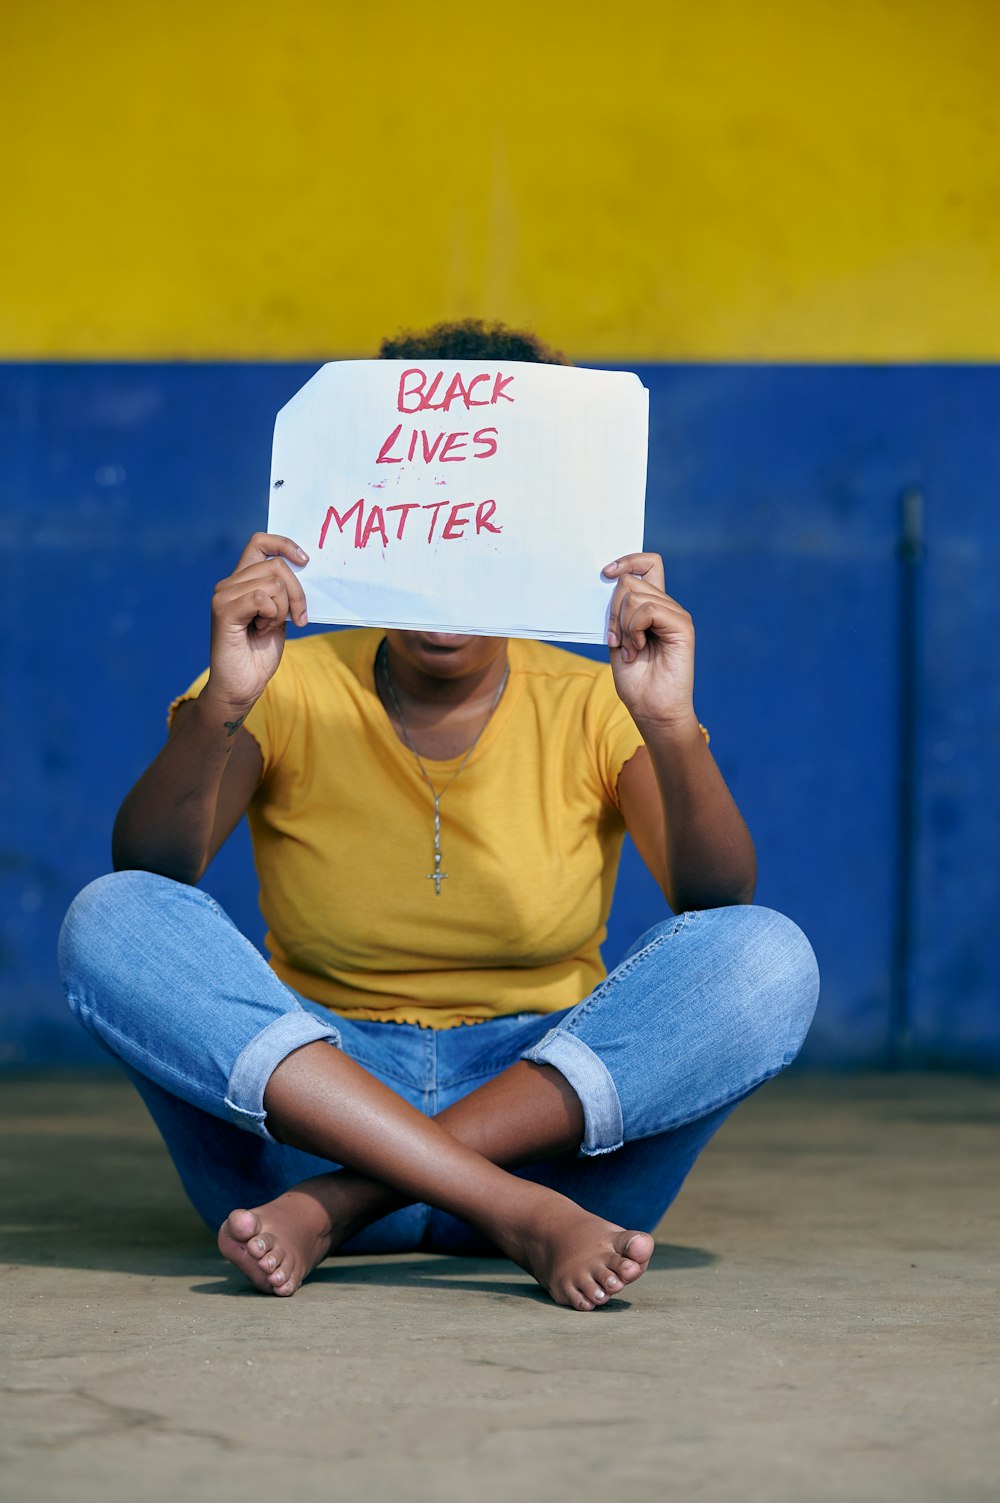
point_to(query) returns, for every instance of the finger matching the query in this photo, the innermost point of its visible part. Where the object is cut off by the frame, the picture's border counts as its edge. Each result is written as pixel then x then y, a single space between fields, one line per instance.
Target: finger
pixel 622 631
pixel 294 593
pixel 666 613
pixel 264 545
pixel 648 566
pixel 615 615
pixel 274 575
pixel 629 588
pixel 633 631
pixel 642 616
pixel 295 600
pixel 614 624
pixel 262 607
pixel 271 614
pixel 618 600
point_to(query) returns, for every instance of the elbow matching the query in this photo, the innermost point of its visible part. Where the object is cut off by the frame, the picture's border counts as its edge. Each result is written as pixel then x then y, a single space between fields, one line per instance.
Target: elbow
pixel 741 893
pixel 695 902
pixel 130 861
pixel 131 855
pixel 691 898
pixel 189 878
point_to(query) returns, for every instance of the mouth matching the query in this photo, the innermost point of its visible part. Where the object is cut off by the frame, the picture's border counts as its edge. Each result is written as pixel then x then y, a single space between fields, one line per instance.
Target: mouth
pixel 442 641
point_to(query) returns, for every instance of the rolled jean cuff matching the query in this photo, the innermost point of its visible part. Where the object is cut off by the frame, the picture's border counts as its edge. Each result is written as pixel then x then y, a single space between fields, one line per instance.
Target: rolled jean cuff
pixel 603 1128
pixel 262 1056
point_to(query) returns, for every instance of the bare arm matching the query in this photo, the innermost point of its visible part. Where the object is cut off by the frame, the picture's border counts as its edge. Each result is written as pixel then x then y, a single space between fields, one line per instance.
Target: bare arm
pixel 701 853
pixel 190 798
pixel 676 805
pixel 193 794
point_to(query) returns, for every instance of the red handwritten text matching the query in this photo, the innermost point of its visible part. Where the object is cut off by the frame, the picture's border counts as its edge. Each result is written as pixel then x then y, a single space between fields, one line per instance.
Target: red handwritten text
pixel 416 396
pixel 374 523
pixel 441 447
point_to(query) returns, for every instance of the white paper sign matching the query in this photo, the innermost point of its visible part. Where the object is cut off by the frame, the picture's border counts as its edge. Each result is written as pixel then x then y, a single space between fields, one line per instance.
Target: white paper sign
pixel 477 496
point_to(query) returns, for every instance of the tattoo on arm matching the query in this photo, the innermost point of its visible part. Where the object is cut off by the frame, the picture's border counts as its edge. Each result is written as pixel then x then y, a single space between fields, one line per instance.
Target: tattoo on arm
pixel 232 726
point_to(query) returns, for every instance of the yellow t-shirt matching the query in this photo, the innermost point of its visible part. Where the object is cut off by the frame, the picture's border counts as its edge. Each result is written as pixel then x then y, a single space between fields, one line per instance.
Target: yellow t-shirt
pixel 343 836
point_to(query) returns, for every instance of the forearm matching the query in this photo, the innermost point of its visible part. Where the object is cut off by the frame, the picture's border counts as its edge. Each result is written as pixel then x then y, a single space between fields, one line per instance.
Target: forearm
pixel 709 858
pixel 167 823
pixel 197 789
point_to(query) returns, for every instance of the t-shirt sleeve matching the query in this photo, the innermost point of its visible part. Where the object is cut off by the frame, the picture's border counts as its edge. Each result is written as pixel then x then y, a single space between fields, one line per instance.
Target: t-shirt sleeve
pixel 191 692
pixel 613 734
pixel 259 720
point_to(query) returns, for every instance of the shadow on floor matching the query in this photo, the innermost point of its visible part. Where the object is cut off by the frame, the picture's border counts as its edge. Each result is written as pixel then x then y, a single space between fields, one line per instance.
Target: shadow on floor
pixel 89 1185
pixel 174 1244
pixel 442 1271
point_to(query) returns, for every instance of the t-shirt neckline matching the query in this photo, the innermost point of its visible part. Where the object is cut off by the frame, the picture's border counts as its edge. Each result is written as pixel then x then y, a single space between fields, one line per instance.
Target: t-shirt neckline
pixel 489 734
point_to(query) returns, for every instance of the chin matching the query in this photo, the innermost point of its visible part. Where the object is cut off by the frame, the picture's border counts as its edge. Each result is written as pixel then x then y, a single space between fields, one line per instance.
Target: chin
pixel 446 652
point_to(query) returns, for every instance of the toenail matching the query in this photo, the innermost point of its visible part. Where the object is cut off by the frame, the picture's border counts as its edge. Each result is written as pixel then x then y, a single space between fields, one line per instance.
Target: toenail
pixel 259 1245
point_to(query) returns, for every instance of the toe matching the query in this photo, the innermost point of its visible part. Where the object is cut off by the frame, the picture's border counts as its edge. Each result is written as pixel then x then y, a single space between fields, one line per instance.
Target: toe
pixel 241 1225
pixel 597 1291
pixel 258 1246
pixel 639 1247
pixel 634 1251
pixel 235 1250
pixel 577 1295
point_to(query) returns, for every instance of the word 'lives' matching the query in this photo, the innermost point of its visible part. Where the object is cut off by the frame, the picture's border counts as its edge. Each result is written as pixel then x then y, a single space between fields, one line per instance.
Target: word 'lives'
pixel 396 448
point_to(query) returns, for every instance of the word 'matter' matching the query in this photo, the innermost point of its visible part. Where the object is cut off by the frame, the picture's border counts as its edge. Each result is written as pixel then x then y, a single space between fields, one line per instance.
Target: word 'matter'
pixel 373 523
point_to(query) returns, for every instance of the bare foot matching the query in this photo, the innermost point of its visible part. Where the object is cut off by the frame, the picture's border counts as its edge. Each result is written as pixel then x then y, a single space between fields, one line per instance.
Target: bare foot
pixel 578 1258
pixel 278 1245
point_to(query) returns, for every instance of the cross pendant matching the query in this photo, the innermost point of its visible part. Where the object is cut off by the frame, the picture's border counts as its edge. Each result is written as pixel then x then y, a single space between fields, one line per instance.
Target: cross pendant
pixel 437 876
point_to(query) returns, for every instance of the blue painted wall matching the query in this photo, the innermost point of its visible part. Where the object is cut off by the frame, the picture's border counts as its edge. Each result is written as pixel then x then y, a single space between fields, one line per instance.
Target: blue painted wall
pixel 775 493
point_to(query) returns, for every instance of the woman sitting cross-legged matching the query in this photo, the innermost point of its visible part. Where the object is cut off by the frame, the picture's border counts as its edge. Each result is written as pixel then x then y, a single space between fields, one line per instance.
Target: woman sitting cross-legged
pixel 434 1057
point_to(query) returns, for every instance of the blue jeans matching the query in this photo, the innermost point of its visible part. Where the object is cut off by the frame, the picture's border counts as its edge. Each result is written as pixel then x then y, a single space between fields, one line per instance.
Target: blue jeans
pixel 705 1008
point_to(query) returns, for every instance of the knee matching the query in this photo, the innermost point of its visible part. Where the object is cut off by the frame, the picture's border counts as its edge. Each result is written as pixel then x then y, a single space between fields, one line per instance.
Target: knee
pixel 108 925
pixel 778 982
pixel 746 982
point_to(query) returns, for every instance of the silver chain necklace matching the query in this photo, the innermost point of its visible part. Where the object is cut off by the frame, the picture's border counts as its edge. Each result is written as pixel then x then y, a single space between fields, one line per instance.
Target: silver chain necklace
pixel 437 876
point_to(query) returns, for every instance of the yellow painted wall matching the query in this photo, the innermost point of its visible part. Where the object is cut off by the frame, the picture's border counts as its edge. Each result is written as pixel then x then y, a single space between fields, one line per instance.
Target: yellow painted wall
pixel 812 179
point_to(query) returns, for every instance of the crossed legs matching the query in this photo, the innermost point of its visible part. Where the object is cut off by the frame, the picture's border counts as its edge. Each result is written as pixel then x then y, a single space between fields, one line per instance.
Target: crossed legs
pixel 321 1101
pixel 705 1009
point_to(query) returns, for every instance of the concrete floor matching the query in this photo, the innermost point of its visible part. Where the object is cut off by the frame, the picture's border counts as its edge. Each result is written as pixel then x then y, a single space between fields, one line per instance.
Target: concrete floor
pixel 820 1322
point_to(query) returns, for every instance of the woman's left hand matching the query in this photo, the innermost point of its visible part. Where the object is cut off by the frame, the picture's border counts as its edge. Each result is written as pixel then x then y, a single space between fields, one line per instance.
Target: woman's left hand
pixel 651 639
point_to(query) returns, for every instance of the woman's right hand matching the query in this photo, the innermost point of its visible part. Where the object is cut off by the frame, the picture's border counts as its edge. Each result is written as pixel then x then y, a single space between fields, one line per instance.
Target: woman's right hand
pixel 249 611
